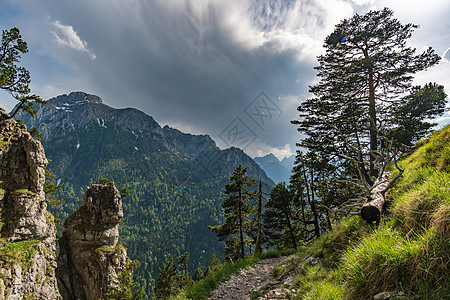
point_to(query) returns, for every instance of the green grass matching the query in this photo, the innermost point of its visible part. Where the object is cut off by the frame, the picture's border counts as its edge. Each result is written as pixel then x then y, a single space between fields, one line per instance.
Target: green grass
pixel 326 290
pixel 17 252
pixel 408 252
pixel 24 191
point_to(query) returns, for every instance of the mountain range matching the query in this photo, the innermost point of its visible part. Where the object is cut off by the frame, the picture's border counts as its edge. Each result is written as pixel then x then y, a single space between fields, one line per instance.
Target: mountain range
pixel 176 179
pixel 277 170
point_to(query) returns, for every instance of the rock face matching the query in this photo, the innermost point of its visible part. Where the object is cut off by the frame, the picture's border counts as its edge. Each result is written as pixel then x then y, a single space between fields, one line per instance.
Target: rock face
pixel 28 234
pixel 91 258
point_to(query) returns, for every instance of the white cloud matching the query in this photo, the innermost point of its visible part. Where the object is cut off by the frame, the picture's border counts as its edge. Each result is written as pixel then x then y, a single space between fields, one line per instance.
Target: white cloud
pixel 66 36
pixel 279 26
pixel 363 2
pixel 50 90
pixel 446 55
pixel 280 153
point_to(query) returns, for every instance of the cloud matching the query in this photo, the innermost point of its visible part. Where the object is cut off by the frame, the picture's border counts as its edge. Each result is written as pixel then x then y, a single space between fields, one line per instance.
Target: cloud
pixel 197 64
pixel 363 2
pixel 66 36
pixel 280 152
pixel 446 55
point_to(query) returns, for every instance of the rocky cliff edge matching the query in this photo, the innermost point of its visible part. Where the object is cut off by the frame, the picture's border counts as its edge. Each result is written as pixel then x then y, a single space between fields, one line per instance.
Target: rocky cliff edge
pixel 28 234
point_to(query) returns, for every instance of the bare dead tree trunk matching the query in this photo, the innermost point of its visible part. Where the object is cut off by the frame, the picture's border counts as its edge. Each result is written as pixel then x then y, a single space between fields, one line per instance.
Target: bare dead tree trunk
pixel 371 210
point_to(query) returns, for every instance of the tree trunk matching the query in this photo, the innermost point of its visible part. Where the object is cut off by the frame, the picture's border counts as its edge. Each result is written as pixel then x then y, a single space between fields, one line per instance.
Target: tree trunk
pixel 310 198
pixel 241 234
pixel 258 248
pixel 361 168
pixel 373 125
pixel 291 231
pixel 313 208
pixel 371 210
pixel 372 116
pixel 328 220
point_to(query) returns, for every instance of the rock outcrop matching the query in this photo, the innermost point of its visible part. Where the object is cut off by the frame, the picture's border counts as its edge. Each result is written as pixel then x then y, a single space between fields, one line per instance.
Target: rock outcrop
pixel 28 233
pixel 91 258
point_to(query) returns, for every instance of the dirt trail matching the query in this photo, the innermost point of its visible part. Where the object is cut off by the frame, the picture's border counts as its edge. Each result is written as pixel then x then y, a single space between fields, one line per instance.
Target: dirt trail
pixel 240 286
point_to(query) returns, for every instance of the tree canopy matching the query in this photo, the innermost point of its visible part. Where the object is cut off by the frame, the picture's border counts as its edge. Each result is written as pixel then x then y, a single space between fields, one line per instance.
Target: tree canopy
pixel 236 211
pixel 362 96
pixel 16 79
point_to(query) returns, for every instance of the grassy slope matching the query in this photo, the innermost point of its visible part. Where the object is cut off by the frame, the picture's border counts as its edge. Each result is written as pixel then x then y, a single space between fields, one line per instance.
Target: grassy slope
pixel 407 253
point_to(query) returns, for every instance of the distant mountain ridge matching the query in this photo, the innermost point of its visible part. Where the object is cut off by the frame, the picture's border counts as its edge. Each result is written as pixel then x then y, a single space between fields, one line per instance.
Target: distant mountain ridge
pixel 277 170
pixel 176 179
pixel 67 114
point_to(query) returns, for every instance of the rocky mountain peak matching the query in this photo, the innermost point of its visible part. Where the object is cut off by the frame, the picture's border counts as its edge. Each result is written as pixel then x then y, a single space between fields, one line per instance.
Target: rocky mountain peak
pixel 277 170
pixel 76 98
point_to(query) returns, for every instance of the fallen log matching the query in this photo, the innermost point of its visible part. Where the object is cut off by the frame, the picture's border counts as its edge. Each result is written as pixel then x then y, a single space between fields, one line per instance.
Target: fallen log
pixel 371 210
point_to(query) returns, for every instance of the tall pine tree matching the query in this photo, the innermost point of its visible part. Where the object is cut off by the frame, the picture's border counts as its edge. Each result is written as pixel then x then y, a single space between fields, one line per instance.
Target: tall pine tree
pixel 237 210
pixel 15 79
pixel 278 218
pixel 364 75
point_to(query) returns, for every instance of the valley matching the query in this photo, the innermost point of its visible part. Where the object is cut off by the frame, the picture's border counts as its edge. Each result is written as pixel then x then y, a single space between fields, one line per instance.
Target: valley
pixel 176 180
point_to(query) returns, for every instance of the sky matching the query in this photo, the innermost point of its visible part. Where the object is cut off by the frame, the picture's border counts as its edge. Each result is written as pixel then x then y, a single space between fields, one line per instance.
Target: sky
pixel 233 69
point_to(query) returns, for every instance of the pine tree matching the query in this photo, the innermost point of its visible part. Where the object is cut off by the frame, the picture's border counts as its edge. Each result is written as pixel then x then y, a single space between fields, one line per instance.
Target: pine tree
pixel 278 218
pixel 213 265
pixel 15 79
pixel 127 287
pixel 411 119
pixel 366 70
pixel 259 233
pixel 316 194
pixel 173 277
pixel 198 275
pixel 237 210
pixel 166 285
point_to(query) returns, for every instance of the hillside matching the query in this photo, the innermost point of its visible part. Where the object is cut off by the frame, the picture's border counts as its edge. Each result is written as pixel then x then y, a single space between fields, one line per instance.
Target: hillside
pixel 406 256
pixel 176 179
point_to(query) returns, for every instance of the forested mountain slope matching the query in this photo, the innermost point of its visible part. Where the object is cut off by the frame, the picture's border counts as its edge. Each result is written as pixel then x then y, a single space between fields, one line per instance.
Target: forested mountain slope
pixel 176 179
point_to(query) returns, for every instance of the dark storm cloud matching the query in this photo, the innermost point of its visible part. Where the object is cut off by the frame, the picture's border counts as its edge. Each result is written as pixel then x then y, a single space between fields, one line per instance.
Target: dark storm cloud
pixel 184 63
pixel 195 65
